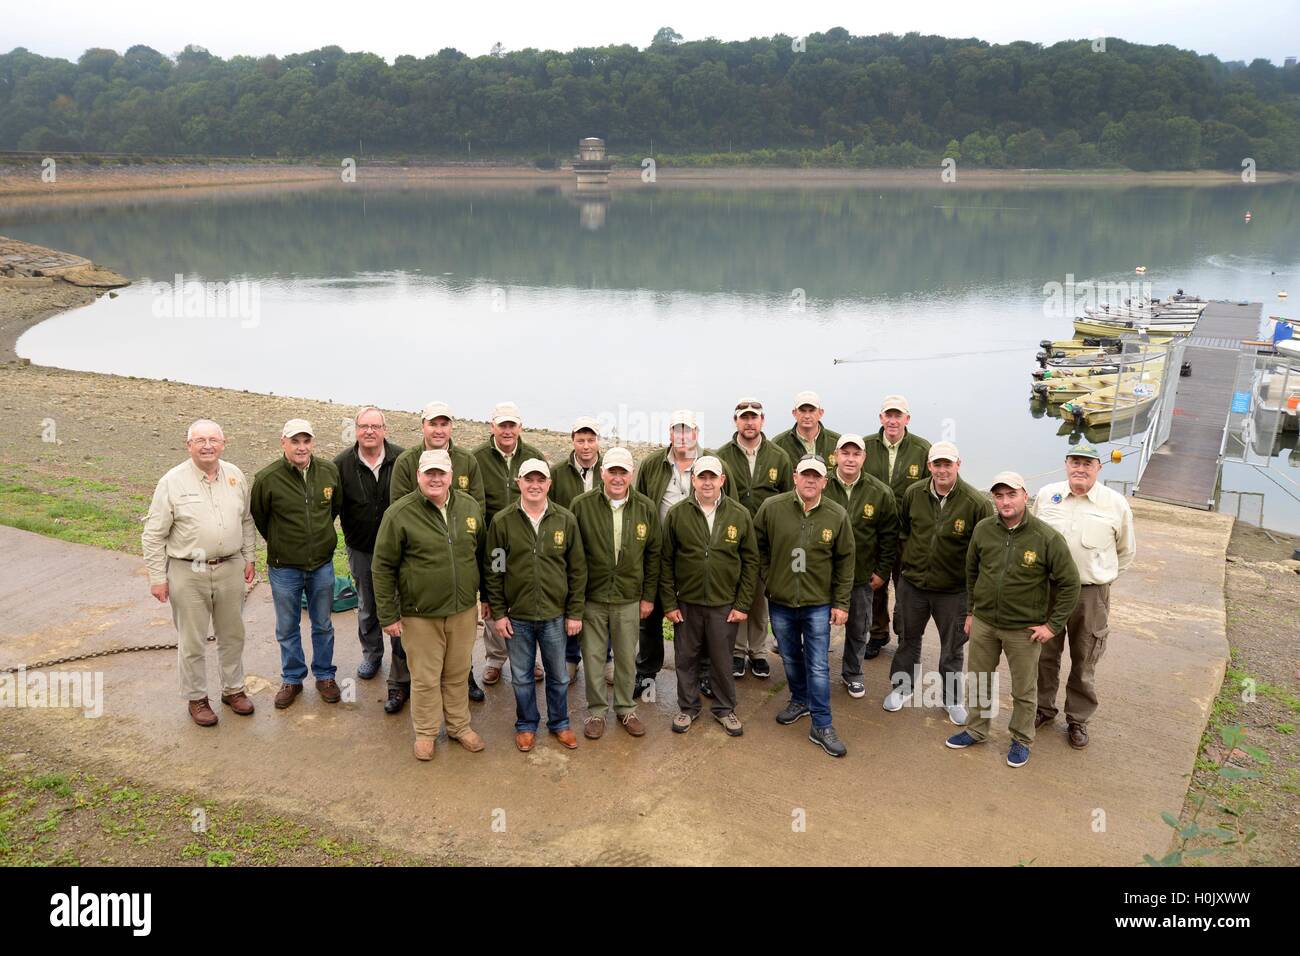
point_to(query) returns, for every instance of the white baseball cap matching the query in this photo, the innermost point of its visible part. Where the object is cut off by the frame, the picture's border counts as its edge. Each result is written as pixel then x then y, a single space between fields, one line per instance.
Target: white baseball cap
pixel 683 416
pixel 808 398
pixel 811 463
pixel 436 410
pixel 1009 478
pixel 506 412
pixel 707 463
pixel 896 403
pixel 850 439
pixel 296 426
pixel 943 449
pixel 585 423
pixel 436 459
pixel 535 465
pixel 617 457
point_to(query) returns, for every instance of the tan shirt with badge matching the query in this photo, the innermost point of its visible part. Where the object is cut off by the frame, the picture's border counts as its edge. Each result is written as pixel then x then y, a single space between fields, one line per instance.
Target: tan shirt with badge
pixel 1097 526
pixel 192 518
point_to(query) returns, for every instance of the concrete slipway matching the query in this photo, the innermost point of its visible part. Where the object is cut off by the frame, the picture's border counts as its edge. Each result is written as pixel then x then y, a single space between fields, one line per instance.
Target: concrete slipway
pixel 769 797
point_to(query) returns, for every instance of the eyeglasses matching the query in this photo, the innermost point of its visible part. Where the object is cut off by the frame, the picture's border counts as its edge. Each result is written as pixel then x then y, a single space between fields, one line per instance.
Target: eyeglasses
pixel 206 441
pixel 371 428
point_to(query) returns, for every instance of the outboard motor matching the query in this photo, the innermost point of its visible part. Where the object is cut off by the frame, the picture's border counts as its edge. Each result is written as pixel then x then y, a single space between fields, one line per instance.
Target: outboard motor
pixel 1041 358
pixel 1045 343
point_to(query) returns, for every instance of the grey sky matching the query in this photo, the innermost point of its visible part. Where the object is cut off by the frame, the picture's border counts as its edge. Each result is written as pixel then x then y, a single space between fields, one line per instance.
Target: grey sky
pixel 1232 31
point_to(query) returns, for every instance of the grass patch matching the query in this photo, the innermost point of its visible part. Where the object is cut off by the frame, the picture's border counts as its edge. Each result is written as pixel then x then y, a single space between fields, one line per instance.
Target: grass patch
pixel 70 510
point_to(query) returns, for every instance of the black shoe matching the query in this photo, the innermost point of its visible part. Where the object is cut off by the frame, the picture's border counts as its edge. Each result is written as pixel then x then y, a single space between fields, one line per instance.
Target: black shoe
pixel 872 649
pixel 738 667
pixel 397 697
pixel 639 687
pixel 828 740
pixel 706 688
pixel 760 667
pixel 793 711
pixel 475 692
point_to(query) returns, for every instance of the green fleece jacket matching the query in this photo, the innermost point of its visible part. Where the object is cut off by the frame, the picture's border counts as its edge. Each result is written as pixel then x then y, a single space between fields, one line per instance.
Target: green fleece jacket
pixel 499 485
pixel 911 461
pixel 535 576
pixel 874 515
pixel 935 539
pixel 1010 574
pixel 655 470
pixel 789 443
pixel 432 564
pixel 295 514
pixel 806 559
pixel 715 568
pixel 633 574
pixel 464 472
pixel 566 480
pixel 773 473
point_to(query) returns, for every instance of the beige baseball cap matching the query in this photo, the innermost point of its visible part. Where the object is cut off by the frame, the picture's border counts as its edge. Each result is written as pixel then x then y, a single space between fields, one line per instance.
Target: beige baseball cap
pixel 850 439
pixel 683 416
pixel 896 403
pixel 437 459
pixel 748 405
pixel 296 426
pixel 617 457
pixel 506 412
pixel 1009 478
pixel 707 463
pixel 811 463
pixel 944 449
pixel 586 423
pixel 535 464
pixel 808 398
pixel 436 410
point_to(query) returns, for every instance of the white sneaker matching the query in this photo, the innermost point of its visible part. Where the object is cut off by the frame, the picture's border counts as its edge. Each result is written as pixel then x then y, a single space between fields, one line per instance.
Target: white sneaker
pixel 609 673
pixel 896 700
pixel 957 714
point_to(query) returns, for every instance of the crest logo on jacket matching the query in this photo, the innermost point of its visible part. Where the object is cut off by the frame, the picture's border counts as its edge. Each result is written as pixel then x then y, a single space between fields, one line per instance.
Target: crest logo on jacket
pixel 731 532
pixel 771 475
pixel 463 481
pixel 559 539
pixel 329 492
pixel 471 523
pixel 1030 559
pixel 914 471
pixel 868 510
pixel 959 526
pixel 641 530
pixel 232 481
pixel 827 534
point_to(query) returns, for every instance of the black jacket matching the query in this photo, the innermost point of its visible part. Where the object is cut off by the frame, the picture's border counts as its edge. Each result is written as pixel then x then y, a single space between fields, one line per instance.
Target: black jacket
pixel 364 500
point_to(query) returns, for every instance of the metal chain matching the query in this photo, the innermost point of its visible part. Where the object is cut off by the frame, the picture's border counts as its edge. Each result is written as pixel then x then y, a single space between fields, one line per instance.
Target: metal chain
pixel 85 657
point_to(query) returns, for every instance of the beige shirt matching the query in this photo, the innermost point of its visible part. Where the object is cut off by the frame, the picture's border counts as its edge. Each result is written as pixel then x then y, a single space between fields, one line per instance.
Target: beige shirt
pixel 192 518
pixel 1097 526
pixel 679 485
pixel 535 522
pixel 374 469
pixel 751 456
pixel 616 507
pixel 708 513
pixel 893 453
pixel 808 446
pixel 510 457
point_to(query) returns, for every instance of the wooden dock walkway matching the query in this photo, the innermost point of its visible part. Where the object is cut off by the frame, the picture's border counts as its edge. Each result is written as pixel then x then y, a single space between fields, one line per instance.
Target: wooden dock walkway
pixel 1185 469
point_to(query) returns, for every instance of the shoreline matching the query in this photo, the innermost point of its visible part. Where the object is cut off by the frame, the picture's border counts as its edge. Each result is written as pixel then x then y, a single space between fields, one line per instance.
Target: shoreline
pixel 25 183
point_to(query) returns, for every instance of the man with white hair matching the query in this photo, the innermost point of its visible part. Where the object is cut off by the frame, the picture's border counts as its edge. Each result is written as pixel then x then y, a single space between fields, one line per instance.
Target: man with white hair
pixel 198 543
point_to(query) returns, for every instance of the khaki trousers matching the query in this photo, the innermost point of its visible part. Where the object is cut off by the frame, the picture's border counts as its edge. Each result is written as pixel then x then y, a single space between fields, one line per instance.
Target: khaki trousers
pixel 617 626
pixel 439 651
pixel 1087 630
pixel 212 596
pixel 987 645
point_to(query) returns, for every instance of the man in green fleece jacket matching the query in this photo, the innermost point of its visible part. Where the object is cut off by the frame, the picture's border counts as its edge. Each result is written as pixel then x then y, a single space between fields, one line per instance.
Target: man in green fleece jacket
pixel 436 423
pixel 756 470
pixel 1015 563
pixel 805 547
pixel 535 579
pixel 872 510
pixel 294 502
pixel 706 586
pixel 899 458
pixel 498 463
pixel 576 474
pixel 808 436
pixel 620 538
pixel 938 517
pixel 427 556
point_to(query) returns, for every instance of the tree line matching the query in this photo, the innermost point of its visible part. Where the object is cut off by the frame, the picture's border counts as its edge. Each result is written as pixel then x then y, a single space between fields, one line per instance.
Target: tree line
pixel 826 99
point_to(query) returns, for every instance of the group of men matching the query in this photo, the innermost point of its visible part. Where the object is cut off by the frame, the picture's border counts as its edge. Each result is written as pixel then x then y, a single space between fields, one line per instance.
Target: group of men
pixel 577 563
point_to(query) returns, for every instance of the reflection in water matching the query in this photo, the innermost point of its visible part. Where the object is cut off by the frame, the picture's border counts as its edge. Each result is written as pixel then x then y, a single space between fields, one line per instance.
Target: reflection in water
pixel 649 299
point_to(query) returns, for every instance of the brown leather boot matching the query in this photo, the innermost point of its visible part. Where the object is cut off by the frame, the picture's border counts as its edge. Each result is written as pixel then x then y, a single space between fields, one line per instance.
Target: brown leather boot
pixel 201 712
pixel 1078 736
pixel 238 702
pixel 285 696
pixel 329 691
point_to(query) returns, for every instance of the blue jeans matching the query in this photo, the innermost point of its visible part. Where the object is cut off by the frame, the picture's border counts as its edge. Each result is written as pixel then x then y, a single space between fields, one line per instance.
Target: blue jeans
pixel 522 647
pixel 287 585
pixel 804 636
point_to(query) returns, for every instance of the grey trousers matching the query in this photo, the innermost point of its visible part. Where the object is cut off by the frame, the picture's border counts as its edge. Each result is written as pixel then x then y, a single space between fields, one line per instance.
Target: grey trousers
pixel 705 636
pixel 751 637
pixel 856 630
pixel 369 632
pixel 913 608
